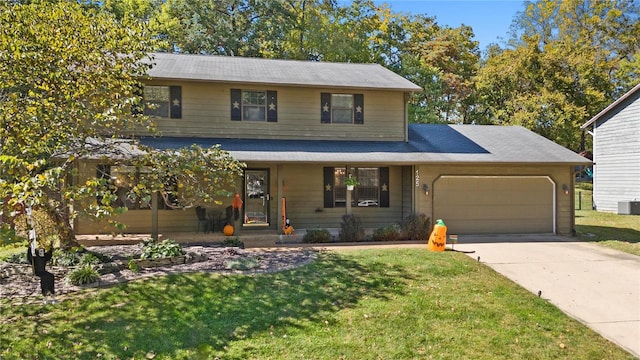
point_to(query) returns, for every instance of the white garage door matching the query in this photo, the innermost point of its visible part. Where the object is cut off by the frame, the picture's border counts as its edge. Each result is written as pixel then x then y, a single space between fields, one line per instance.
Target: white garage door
pixel 495 205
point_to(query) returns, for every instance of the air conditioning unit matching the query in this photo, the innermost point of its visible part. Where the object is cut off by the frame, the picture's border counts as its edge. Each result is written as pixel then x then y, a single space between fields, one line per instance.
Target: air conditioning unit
pixel 629 207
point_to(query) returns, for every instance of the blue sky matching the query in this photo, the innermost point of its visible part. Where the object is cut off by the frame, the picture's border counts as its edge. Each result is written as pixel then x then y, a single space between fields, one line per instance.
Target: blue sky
pixel 490 19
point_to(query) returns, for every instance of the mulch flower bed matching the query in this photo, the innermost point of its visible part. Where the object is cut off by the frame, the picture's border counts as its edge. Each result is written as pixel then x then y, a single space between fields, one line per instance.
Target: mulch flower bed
pixel 20 285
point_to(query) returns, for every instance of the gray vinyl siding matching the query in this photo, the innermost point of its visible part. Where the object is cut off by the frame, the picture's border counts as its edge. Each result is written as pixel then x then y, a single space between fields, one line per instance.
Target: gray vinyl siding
pixel 616 148
pixel 206 112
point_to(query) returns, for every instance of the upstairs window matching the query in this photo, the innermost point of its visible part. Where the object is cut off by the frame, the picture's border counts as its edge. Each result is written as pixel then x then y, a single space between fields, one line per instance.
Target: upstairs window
pixel 163 101
pixel 254 105
pixel 341 108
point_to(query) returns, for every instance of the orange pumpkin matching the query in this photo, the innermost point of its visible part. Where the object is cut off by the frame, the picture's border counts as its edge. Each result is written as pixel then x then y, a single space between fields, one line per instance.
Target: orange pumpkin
pixel 227 230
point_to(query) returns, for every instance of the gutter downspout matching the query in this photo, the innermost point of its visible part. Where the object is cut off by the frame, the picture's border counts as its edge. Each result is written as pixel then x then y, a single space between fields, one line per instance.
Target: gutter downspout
pixel 407 96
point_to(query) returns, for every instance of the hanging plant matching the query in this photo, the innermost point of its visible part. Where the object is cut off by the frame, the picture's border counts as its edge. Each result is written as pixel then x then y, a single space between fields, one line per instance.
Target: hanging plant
pixel 352 180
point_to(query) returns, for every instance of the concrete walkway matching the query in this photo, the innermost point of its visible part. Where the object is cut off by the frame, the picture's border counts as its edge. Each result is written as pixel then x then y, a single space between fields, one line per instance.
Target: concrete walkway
pixel 599 287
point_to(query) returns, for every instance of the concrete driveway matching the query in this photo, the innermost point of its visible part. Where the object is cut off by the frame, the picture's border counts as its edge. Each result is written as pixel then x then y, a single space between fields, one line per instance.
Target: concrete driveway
pixel 598 286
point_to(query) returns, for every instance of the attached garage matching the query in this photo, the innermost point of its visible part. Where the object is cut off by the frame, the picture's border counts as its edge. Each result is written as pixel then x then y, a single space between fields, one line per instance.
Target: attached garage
pixel 495 204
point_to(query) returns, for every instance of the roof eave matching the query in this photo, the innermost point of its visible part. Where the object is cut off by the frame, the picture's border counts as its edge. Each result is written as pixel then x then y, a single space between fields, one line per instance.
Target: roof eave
pixel 611 106
pixel 285 84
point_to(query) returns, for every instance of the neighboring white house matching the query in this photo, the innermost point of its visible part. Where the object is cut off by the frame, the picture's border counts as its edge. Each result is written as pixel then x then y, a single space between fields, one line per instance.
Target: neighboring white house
pixel 616 154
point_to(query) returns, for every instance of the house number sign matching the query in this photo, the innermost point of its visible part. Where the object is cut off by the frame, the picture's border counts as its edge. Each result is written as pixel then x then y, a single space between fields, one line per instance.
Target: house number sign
pixel 417 178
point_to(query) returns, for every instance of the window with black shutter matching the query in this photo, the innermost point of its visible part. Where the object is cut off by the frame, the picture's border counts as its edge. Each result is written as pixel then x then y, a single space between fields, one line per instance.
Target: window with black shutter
pixel 252 105
pixel 341 108
pixel 163 101
pixel 372 189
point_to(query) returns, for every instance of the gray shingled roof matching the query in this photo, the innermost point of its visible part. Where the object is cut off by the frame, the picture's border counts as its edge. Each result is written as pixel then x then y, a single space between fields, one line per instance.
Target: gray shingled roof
pixel 230 69
pixel 472 144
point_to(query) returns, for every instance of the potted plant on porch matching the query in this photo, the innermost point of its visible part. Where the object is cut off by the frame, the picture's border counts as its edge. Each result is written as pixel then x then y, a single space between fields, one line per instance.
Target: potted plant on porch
pixel 351 181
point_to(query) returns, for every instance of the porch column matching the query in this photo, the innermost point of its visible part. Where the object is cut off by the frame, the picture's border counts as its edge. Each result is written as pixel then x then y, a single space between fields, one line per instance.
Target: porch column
pixel 154 216
pixel 348 200
pixel 279 196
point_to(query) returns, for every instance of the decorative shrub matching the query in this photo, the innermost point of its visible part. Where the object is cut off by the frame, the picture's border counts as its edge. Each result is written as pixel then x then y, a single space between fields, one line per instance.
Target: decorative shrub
pixel 317 236
pixel 17 258
pixel 351 229
pixel 235 242
pixel 69 257
pixel 85 274
pixel 89 259
pixel 387 233
pixel 416 227
pixel 242 264
pixel 77 256
pixel 134 266
pixel 155 250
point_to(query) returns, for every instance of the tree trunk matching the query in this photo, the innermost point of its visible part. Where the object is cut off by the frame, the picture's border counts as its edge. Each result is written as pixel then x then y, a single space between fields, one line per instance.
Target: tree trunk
pixel 60 217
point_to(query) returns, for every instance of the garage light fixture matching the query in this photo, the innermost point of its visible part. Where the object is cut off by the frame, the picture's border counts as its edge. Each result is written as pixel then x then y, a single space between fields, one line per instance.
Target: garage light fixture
pixel 425 188
pixel 565 188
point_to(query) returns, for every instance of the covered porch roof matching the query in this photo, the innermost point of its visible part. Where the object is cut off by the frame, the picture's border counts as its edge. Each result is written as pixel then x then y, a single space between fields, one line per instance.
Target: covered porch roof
pixel 428 143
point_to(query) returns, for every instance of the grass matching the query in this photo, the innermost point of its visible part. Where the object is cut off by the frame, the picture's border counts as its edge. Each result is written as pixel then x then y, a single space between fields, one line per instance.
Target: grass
pixel 620 232
pixel 354 304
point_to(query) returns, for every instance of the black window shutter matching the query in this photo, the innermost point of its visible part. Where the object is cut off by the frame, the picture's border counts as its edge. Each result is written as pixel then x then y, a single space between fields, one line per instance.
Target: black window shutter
pixel 384 187
pixel 272 106
pixel 325 108
pixel 175 101
pixel 327 187
pixel 358 109
pixel 236 104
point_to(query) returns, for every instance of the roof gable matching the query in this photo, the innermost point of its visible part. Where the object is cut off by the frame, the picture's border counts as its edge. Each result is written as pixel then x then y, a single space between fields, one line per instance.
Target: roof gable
pixel 627 95
pixel 233 69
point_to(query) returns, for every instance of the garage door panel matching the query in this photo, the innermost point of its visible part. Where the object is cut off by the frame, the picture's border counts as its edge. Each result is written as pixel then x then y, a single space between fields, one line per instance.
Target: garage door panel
pixel 480 205
pixel 504 211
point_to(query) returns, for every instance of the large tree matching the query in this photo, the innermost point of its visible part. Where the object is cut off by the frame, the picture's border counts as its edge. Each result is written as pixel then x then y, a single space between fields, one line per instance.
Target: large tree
pixel 443 61
pixel 224 27
pixel 566 61
pixel 69 83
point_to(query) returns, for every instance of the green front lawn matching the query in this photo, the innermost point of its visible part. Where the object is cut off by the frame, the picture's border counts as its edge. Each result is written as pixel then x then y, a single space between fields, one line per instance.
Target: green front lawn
pixel 620 232
pixel 364 304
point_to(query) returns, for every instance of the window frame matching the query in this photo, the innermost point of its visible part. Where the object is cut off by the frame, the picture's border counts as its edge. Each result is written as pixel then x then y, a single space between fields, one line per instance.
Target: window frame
pixel 269 108
pixel 329 105
pixel 367 183
pixel 336 106
pixel 244 105
pixel 172 102
pixel 118 177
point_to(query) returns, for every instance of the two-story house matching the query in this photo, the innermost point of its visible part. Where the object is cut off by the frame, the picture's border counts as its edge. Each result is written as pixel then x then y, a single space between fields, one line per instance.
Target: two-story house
pixel 303 127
